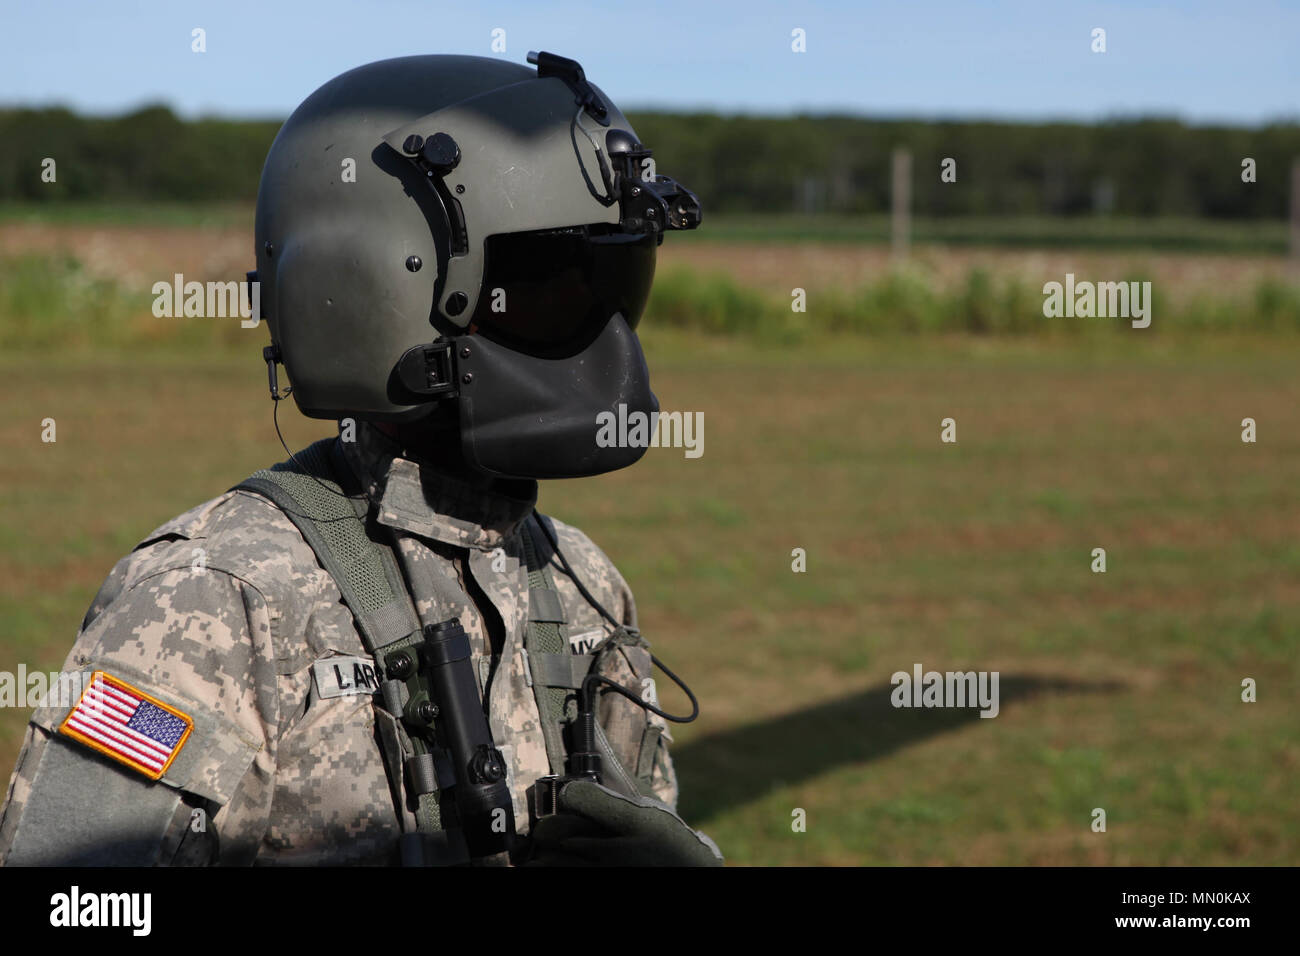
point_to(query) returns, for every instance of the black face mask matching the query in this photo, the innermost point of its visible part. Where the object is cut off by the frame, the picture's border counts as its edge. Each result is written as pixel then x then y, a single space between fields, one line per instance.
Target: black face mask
pixel 524 415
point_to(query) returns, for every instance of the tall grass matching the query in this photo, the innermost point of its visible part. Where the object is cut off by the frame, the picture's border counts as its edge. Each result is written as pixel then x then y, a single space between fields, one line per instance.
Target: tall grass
pixel 53 302
pixel 905 302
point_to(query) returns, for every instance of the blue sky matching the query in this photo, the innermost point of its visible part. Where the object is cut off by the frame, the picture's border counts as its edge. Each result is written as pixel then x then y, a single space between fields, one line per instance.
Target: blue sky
pixel 1233 62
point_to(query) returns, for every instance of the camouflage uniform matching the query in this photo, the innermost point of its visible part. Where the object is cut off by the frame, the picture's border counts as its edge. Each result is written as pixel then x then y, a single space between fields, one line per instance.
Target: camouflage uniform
pixel 222 612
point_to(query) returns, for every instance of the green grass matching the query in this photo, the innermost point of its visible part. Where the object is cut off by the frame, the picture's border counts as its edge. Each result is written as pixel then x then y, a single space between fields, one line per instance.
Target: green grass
pixel 822 432
pixel 1119 690
pixel 1082 232
pixel 904 301
pixel 52 302
pixel 130 213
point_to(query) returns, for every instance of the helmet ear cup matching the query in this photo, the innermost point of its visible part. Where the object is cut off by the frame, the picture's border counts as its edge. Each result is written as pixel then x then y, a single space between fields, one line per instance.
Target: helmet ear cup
pixel 350 301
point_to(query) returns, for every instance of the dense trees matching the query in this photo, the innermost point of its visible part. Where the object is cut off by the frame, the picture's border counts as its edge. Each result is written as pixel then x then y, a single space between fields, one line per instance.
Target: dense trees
pixel 835 164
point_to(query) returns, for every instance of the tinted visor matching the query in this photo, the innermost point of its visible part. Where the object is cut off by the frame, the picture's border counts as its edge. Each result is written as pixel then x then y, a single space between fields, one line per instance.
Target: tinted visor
pixel 559 286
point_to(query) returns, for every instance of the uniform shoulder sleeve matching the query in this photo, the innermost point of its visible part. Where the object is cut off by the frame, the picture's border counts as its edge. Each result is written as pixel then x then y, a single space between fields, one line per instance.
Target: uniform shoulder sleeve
pixel 170 689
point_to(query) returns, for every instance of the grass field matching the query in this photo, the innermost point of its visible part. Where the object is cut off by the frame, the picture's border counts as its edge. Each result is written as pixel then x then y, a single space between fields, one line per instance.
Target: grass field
pixel 1118 690
pixel 89 285
pixel 1076 232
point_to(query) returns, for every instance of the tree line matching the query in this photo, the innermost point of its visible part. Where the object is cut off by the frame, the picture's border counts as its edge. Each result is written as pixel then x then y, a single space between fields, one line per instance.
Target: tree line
pixel 737 164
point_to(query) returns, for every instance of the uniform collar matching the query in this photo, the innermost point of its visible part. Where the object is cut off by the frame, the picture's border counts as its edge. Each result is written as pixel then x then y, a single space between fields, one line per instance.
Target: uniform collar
pixel 423 499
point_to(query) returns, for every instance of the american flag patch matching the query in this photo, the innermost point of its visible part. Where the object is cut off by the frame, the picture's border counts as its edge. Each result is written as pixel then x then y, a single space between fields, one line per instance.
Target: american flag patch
pixel 128 725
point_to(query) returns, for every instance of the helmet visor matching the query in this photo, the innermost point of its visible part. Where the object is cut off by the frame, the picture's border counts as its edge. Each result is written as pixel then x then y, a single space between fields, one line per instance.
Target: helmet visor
pixel 548 289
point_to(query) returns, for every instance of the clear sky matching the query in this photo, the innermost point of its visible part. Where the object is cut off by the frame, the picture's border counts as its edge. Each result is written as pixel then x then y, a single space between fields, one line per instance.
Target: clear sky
pixel 1235 62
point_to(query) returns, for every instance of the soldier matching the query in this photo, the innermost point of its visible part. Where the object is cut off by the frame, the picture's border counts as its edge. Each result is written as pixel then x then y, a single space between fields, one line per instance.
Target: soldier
pixel 378 651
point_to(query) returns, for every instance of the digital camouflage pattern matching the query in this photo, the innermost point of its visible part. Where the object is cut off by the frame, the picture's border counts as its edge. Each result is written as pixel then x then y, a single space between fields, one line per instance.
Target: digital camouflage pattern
pixel 221 613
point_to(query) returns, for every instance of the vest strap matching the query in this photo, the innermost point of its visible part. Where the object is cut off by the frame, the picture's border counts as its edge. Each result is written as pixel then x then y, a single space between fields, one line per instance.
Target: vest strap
pixel 316 492
pixel 561 670
pixel 544 606
pixel 544 643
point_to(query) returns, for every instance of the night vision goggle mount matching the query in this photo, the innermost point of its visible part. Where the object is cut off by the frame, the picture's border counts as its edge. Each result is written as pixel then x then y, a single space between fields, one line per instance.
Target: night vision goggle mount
pixel 648 204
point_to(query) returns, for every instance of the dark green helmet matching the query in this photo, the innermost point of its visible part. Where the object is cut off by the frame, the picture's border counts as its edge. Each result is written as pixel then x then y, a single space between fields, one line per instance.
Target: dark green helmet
pixel 414 205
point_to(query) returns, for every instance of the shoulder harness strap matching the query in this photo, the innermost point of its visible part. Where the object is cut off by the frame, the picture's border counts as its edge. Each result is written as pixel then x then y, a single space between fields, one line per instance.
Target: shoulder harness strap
pixel 316 491
pixel 555 673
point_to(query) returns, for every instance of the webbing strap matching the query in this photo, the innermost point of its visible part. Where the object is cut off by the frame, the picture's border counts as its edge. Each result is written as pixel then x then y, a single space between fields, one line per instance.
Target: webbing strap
pixel 560 670
pixel 544 605
pixel 333 524
pixel 543 644
pixel 331 517
pixel 428 815
pixel 645 768
pixel 557 672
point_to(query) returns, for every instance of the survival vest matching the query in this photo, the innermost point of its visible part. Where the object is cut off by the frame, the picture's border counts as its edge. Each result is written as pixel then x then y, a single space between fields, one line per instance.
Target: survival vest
pixel 317 491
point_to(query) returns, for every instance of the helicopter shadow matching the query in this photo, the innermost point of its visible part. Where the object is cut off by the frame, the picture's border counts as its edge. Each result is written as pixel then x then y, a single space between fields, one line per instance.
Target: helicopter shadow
pixel 741 765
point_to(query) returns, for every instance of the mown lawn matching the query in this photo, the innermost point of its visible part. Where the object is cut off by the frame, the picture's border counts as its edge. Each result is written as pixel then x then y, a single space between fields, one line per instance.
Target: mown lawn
pixel 1118 690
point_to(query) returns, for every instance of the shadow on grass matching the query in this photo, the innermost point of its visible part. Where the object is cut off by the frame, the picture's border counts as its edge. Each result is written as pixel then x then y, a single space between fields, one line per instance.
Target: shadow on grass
pixel 738 766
